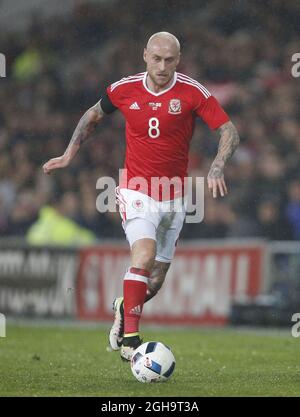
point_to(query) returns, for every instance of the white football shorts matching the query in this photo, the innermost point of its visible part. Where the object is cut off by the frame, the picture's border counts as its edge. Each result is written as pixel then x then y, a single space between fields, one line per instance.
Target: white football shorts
pixel 143 217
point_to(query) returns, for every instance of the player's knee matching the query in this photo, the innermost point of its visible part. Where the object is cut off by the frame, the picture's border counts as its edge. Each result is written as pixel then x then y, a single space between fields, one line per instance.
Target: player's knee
pixel 144 259
pixel 143 254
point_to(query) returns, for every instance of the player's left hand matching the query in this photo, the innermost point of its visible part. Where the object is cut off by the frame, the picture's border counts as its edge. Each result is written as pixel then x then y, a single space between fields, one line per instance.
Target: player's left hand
pixel 216 185
pixel 216 182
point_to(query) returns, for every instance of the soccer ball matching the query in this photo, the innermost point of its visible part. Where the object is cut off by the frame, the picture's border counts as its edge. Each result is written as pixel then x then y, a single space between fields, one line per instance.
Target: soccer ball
pixel 152 362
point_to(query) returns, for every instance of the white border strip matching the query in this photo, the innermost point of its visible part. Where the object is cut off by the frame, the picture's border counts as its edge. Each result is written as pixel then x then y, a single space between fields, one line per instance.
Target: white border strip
pixel 136 277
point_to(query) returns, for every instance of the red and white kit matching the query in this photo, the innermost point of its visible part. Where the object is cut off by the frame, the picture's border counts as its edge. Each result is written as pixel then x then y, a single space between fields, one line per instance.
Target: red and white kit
pixel 159 128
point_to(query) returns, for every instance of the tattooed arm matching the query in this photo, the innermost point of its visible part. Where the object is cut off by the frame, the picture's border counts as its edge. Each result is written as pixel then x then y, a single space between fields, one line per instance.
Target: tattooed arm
pixel 85 127
pixel 229 141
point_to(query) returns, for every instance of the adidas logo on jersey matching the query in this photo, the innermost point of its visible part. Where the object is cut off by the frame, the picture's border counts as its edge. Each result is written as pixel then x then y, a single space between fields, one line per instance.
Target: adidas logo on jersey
pixel 136 310
pixel 134 106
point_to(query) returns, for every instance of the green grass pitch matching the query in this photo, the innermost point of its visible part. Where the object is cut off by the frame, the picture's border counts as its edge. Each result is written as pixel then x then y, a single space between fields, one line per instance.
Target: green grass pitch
pixel 73 361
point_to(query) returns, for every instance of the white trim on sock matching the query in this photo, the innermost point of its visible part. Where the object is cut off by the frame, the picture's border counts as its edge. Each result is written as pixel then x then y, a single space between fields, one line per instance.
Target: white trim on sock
pixel 135 277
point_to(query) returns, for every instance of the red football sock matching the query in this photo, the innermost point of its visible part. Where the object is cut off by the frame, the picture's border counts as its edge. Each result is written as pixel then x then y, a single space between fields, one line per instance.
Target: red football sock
pixel 134 289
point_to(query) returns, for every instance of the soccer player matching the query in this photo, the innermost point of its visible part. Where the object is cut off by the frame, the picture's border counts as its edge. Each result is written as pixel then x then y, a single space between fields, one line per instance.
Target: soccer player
pixel 160 107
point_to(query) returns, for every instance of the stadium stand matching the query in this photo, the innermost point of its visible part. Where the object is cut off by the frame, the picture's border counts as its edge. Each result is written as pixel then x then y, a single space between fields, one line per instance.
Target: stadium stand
pixel 60 65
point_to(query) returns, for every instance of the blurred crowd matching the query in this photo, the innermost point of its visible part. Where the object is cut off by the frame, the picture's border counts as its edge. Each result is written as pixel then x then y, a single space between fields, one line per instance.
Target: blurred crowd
pixel 240 50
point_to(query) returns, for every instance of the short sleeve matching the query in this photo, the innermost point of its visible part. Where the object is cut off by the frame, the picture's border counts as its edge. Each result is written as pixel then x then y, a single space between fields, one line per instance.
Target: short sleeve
pixel 211 112
pixel 114 93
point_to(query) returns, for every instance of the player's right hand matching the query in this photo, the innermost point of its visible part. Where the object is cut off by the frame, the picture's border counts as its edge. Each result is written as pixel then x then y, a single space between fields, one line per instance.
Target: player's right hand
pixel 55 163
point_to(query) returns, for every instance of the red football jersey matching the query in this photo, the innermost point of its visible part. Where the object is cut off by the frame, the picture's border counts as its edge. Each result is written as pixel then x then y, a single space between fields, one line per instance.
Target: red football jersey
pixel 159 126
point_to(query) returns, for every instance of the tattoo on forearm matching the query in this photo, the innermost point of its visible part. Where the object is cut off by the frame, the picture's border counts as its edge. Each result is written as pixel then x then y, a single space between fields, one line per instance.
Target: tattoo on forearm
pixel 86 125
pixel 228 143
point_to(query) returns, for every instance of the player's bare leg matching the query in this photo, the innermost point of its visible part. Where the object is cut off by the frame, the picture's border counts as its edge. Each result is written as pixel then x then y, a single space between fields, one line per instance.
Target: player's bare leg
pixel 143 253
pixel 157 278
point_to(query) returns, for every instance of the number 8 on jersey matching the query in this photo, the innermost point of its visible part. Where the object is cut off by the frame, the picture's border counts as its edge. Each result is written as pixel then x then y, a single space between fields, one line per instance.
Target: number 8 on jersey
pixel 153 130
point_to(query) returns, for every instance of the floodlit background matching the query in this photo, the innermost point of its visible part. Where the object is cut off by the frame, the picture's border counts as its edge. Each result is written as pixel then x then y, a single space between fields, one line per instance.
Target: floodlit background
pixel 241 264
